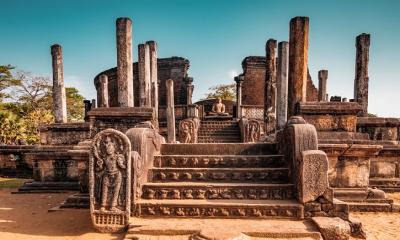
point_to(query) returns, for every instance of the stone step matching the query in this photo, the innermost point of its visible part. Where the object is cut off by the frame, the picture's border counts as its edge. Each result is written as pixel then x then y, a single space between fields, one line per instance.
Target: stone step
pixel 219 141
pixel 213 161
pixel 158 228
pixel 195 190
pixel 78 200
pixel 270 175
pixel 43 187
pixel 211 122
pixel 218 132
pixel 369 207
pixel 219 149
pixel 385 182
pixel 289 209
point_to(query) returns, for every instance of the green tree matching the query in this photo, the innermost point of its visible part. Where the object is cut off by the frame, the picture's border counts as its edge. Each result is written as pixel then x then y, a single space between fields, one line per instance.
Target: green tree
pixel 75 106
pixel 6 81
pixel 224 91
pixel 31 106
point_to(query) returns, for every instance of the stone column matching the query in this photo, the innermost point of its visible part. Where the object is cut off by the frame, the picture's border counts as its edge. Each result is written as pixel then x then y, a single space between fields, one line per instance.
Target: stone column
pixel 88 106
pixel 189 90
pixel 282 85
pixel 270 84
pixel 154 75
pixel 144 76
pixel 298 61
pixel 124 62
pixel 362 79
pixel 103 89
pixel 170 111
pixel 93 104
pixel 322 78
pixel 239 80
pixel 59 97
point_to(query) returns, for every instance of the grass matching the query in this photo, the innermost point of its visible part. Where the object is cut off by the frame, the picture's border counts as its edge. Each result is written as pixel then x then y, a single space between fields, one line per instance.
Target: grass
pixel 11 182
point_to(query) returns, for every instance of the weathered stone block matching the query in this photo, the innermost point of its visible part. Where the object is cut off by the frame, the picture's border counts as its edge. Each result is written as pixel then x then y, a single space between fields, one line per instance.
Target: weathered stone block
pixel 383 169
pixel 110 180
pixel 350 172
pixel 332 123
pixel 313 175
pixel 333 228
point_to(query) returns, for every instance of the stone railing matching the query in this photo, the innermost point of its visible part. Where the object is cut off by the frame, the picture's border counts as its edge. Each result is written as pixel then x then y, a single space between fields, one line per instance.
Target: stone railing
pixel 147 143
pixel 308 166
pixel 252 111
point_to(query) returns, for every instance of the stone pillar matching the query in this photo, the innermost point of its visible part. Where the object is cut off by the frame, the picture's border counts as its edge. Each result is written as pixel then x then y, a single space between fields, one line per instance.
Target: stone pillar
pixel 144 76
pixel 170 111
pixel 88 106
pixel 59 97
pixel 103 89
pixel 362 79
pixel 239 80
pixel 154 76
pixel 298 61
pixel 322 78
pixel 189 90
pixel 270 84
pixel 93 104
pixel 124 62
pixel 282 85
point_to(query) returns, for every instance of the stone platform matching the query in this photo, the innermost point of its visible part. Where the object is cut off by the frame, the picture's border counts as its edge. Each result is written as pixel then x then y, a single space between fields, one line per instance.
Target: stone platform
pixel 220 229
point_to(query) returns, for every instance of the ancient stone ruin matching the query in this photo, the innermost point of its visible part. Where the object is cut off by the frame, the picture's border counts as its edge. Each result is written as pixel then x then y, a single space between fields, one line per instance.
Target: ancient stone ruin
pixel 146 150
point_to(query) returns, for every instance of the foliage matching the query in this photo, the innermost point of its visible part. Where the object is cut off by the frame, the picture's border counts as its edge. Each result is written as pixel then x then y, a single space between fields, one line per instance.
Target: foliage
pixel 30 106
pixel 6 81
pixel 224 91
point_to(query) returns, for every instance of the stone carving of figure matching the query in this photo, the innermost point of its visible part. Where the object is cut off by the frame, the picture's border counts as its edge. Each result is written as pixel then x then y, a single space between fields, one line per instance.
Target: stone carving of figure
pixel 111 162
pixel 188 129
pixel 252 131
pixel 218 108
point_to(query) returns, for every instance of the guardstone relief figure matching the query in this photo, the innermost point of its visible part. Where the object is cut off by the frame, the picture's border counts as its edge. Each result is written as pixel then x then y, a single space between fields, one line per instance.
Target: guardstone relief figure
pixel 188 129
pixel 218 109
pixel 113 164
pixel 109 180
pixel 250 130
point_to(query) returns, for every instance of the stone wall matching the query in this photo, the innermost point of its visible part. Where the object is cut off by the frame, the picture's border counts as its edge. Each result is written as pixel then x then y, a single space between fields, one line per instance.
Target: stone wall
pixel 64 133
pixel 378 128
pixel 254 70
pixel 174 68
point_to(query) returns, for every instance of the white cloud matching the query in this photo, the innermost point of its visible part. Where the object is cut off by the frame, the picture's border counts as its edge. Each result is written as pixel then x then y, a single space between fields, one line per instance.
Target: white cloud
pixel 233 73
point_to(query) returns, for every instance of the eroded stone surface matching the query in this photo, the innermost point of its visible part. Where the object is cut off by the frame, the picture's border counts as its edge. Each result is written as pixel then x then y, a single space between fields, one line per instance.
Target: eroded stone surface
pixel 313 175
pixel 333 228
pixel 110 180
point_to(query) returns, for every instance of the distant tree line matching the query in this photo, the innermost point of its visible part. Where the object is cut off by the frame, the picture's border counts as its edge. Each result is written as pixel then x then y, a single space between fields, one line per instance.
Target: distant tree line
pixel 26 102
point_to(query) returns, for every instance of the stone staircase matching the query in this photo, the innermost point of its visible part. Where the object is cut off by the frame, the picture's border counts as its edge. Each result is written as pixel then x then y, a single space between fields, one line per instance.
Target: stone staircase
pixel 209 180
pixel 219 131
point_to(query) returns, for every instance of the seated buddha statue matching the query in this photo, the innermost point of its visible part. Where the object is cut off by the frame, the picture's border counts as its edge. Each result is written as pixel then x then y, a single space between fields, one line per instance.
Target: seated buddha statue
pixel 218 109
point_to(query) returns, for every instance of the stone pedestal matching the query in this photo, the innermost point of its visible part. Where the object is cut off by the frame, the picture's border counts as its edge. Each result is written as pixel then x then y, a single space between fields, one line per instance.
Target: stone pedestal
pixel 298 62
pixel 282 85
pixel 124 62
pixel 59 97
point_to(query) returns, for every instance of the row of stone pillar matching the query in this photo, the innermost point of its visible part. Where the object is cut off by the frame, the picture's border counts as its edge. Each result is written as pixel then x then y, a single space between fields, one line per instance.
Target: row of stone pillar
pixel 286 75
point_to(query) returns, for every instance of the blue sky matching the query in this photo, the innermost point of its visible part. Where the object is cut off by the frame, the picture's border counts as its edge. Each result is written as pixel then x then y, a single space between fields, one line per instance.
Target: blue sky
pixel 214 35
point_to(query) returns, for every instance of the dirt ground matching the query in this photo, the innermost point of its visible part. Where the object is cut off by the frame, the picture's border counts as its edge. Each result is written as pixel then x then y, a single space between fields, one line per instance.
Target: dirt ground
pixel 26 216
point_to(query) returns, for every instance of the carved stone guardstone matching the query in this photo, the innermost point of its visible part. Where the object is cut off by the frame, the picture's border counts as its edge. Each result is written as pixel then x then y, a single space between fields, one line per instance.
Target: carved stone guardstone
pixel 110 180
pixel 250 130
pixel 188 129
